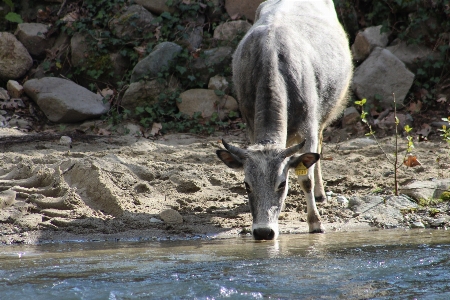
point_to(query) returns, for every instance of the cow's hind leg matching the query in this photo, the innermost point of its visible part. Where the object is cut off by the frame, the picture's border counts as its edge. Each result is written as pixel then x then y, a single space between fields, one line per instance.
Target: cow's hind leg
pixel 319 191
pixel 308 187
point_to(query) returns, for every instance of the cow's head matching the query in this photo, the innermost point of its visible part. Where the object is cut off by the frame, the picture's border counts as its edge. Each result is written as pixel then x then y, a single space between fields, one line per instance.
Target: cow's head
pixel 266 169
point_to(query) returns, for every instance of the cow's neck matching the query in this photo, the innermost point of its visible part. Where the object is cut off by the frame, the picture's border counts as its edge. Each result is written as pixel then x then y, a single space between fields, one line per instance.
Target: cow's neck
pixel 271 121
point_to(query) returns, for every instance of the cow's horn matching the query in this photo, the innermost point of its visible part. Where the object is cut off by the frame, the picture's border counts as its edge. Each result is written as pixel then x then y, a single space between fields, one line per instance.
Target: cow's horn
pixel 293 149
pixel 235 150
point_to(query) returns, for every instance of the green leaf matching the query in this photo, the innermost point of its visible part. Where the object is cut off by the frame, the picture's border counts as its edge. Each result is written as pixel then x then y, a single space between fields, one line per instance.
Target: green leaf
pixel 182 70
pixel 219 93
pixel 9 3
pixel 13 17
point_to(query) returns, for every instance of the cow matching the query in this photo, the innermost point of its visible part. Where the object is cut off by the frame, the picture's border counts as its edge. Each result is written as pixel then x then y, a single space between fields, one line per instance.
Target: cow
pixel 291 72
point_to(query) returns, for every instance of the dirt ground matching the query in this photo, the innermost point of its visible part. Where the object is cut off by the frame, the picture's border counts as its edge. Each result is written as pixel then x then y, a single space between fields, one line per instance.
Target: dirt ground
pixel 115 187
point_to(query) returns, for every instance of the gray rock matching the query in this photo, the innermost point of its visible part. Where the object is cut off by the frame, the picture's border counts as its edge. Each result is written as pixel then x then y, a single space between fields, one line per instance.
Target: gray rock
pixel 15 60
pixel 410 55
pixel 135 22
pixel 231 30
pixel 431 189
pixel 120 65
pixel 367 40
pixel 382 74
pixel 64 101
pixel 384 215
pixel 239 8
pixel 213 61
pixel 33 37
pixel 206 102
pixel 7 198
pixel 342 200
pixel 156 61
pixel 194 37
pixel 20 123
pixel 351 116
pixel 15 90
pixel 417 224
pixel 171 216
pixel 79 49
pixel 218 83
pixel 144 93
pixel 155 220
pixel 389 121
pixel 4 94
pixel 356 144
pixel 156 6
pixel 438 222
pixel 65 140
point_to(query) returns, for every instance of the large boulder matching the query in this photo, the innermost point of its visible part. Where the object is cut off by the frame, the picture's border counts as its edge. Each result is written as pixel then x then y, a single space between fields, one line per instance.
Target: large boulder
pixel 145 93
pixel 410 55
pixel 381 75
pixel 206 102
pixel 33 37
pixel 156 61
pixel 239 8
pixel 367 40
pixel 430 189
pixel 15 60
pixel 64 101
pixel 135 22
pixel 212 61
pixel 230 30
pixel 156 6
pixel 382 212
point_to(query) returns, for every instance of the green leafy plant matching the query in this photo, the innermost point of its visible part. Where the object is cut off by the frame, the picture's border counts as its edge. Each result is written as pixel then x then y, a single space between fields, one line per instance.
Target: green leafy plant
pixel 395 162
pixel 12 16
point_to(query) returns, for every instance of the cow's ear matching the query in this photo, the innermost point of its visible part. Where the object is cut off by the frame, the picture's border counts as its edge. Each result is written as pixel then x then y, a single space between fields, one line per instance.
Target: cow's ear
pixel 229 159
pixel 308 159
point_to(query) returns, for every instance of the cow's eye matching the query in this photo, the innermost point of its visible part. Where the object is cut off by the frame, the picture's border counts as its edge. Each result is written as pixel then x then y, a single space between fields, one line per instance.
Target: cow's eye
pixel 282 185
pixel 247 187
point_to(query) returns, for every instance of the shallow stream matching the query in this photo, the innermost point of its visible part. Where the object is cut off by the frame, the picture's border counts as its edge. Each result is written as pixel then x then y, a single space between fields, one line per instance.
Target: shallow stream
pixel 385 264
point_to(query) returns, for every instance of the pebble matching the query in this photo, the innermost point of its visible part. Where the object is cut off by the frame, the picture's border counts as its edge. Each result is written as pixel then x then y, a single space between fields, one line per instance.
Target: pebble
pixel 155 220
pixel 342 200
pixel 65 140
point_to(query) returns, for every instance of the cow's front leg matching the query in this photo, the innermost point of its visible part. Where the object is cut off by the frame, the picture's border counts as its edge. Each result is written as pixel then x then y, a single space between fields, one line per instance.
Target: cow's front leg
pixel 307 185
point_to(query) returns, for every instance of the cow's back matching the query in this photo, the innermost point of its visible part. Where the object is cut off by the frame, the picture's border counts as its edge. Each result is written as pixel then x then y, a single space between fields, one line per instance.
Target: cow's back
pixel 295 58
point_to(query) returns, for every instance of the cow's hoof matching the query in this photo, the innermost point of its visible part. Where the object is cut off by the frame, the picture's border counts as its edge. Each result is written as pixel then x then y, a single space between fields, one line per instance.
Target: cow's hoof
pixel 320 230
pixel 320 199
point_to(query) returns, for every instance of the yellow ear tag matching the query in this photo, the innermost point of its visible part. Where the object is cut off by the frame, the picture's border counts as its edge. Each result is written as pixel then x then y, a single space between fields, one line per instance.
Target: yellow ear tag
pixel 301 170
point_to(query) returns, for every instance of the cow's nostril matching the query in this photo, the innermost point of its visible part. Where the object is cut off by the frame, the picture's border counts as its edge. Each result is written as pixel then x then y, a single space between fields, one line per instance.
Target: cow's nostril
pixel 263 234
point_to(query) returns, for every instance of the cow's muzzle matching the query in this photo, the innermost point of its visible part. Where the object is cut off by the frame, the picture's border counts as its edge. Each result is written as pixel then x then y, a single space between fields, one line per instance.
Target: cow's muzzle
pixel 264 233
